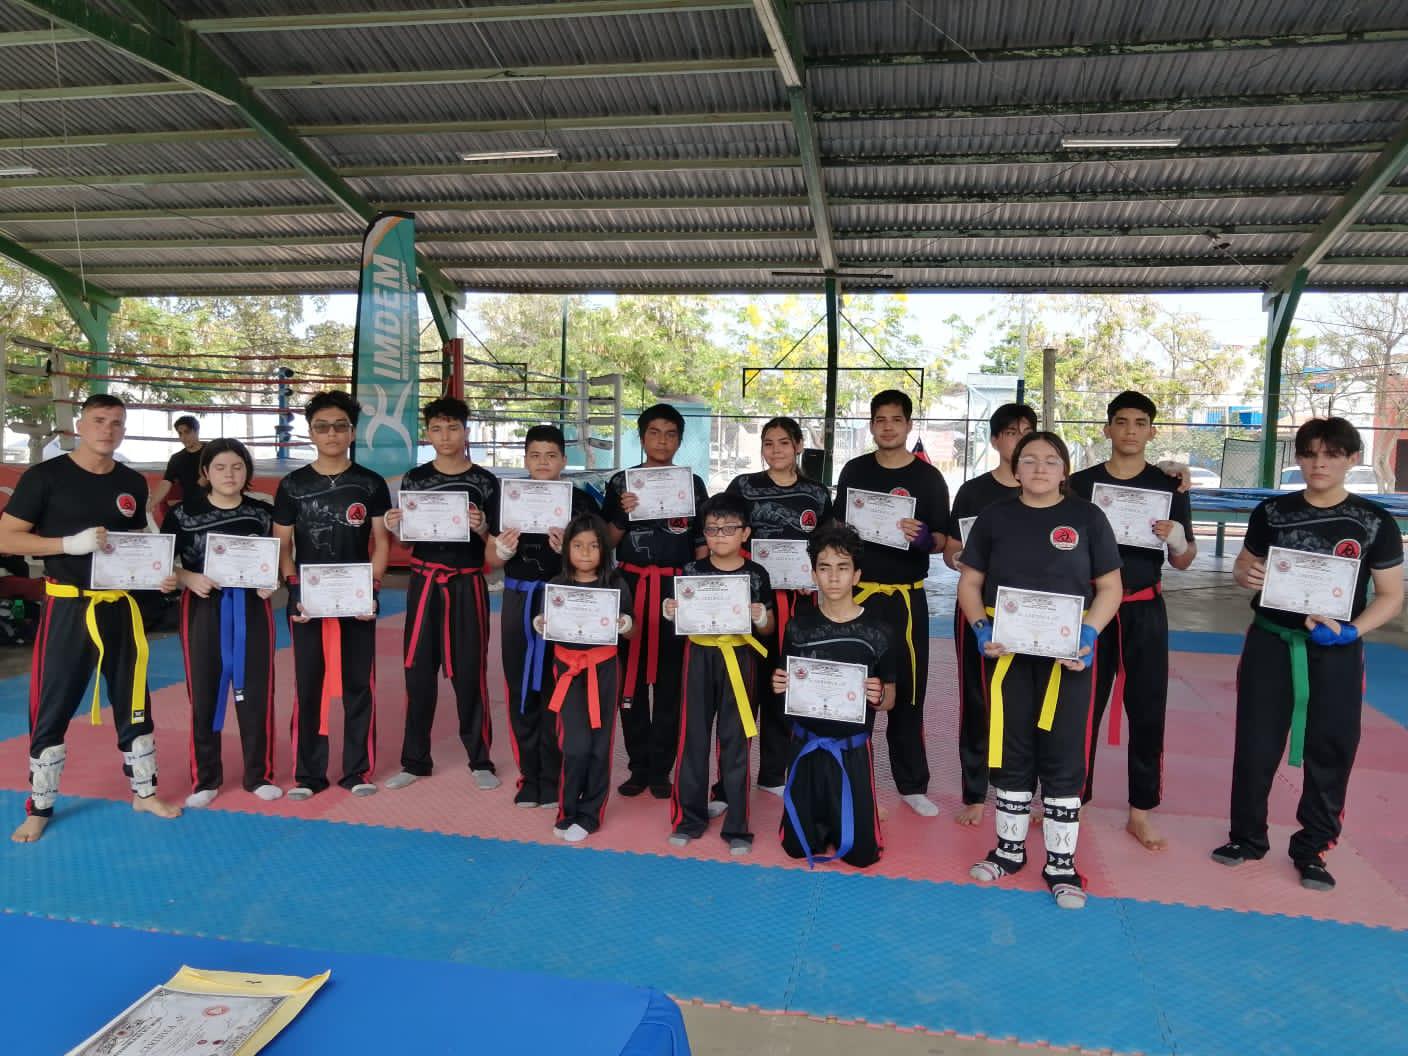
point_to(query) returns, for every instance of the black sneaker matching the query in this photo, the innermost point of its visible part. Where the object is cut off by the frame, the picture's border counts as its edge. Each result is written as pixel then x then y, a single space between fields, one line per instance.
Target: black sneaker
pixel 662 791
pixel 632 786
pixel 1314 875
pixel 1236 853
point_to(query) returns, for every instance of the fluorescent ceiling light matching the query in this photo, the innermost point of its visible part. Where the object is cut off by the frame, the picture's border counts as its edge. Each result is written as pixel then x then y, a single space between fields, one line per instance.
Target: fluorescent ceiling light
pixel 777 41
pixel 510 155
pixel 1132 142
pixel 20 170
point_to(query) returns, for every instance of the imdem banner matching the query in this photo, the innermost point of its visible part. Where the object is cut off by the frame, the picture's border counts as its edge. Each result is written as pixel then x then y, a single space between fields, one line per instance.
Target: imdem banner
pixel 386 353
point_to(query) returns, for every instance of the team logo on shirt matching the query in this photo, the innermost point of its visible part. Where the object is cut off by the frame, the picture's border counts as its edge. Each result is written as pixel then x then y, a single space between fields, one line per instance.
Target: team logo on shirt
pixel 1065 537
pixel 126 505
pixel 677 525
pixel 904 492
pixel 808 520
pixel 1347 548
pixel 356 515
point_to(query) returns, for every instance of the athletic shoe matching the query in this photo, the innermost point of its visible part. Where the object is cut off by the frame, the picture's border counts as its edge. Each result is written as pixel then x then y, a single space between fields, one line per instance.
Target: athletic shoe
pixel 662 791
pixel 1235 853
pixel 717 808
pixel 401 780
pixel 632 786
pixel 1314 875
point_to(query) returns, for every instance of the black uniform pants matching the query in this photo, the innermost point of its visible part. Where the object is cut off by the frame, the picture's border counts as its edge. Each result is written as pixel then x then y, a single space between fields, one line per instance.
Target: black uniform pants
pixel 453 623
pixel 1264 704
pixel 310 744
pixel 709 700
pixel 1057 756
pixel 532 727
pixel 1138 638
pixel 650 718
pixel 774 727
pixel 972 712
pixel 585 780
pixel 816 797
pixel 64 659
pixel 200 642
pixel 904 725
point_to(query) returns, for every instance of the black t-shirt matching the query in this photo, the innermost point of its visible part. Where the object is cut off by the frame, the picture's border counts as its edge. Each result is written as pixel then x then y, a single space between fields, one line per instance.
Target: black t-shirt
pixel 867 640
pixel 1059 549
pixel 885 564
pixel 536 559
pixel 1355 527
pixel 59 497
pixel 668 543
pixel 332 514
pixel 974 496
pixel 183 470
pixel 759 585
pixel 778 512
pixel 483 490
pixel 197 517
pixel 1143 567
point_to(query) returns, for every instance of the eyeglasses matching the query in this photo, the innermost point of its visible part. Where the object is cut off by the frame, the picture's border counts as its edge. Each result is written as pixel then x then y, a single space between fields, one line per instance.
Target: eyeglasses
pixel 1028 462
pixel 725 530
pixel 323 428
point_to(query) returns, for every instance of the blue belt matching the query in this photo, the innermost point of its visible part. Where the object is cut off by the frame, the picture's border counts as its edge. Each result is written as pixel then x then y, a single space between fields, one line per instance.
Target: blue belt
pixel 232 650
pixel 533 662
pixel 833 746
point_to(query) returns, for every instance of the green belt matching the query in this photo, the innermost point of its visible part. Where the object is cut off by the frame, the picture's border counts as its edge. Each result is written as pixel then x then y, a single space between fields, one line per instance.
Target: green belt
pixel 1295 640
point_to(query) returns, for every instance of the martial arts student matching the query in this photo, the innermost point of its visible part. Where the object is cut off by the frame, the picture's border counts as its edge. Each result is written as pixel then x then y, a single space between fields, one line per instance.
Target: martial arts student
pixel 719 675
pixel 1132 656
pixel 1047 540
pixel 447 603
pixel 1008 424
pixel 1305 674
pixel 529 560
pixel 782 504
pixel 892 580
pixel 829 798
pixel 586 687
pixel 62 510
pixel 648 553
pixel 227 634
pixel 332 512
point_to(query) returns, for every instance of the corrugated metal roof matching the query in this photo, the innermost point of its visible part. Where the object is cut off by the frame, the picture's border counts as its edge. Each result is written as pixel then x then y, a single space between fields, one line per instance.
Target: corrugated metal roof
pixel 916 198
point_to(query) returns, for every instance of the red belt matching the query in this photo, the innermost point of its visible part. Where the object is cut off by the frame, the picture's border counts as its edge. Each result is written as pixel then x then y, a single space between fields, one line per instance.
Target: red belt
pixel 1117 700
pixel 647 598
pixel 436 576
pixel 575 662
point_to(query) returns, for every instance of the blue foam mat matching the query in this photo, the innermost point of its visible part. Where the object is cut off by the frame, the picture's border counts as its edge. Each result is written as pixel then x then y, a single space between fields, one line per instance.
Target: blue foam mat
pixel 1121 975
pixel 372 1004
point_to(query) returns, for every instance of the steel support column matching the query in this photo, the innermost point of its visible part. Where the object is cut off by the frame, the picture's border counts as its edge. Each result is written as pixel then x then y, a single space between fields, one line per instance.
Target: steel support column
pixel 833 361
pixel 1280 311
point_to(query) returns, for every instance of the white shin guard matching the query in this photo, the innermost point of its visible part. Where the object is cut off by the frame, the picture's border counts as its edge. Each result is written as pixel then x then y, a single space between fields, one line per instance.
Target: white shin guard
pixel 44 774
pixel 1060 831
pixel 1013 817
pixel 141 759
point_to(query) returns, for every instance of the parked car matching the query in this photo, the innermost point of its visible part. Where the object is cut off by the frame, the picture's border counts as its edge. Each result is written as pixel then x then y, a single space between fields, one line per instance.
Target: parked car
pixel 1204 478
pixel 1360 480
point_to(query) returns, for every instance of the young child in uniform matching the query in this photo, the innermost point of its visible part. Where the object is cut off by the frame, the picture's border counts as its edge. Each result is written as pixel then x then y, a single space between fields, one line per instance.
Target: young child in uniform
pixel 718 671
pixel 829 797
pixel 227 633
pixel 586 686
pixel 1304 674
pixel 1044 540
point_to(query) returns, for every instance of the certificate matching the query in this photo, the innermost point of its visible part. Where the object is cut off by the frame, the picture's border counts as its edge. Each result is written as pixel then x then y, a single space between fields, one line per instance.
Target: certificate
pixel 435 517
pixel 876 515
pixel 1312 584
pixel 334 591
pixel 168 1022
pixel 789 567
pixel 1132 513
pixel 662 492
pixel 242 561
pixel 133 561
pixel 713 605
pixel 535 505
pixel 1037 623
pixel 825 689
pixel 580 615
pixel 965 525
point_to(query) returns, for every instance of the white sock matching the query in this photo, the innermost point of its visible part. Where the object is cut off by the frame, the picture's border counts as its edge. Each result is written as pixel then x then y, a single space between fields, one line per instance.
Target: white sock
pixel 268 793
pixel 717 808
pixel 401 780
pixel 203 798
pixel 486 779
pixel 772 790
pixel 575 834
pixel 921 805
pixel 1013 817
pixel 365 788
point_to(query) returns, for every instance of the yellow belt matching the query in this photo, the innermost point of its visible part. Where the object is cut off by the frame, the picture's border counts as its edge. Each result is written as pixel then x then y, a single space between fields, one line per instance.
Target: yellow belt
pixel 865 590
pixel 139 637
pixel 728 645
pixel 1048 704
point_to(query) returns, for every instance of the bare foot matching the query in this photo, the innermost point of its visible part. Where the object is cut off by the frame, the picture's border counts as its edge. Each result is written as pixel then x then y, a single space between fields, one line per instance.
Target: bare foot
pixel 971 814
pixel 159 807
pixel 30 830
pixel 1142 829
